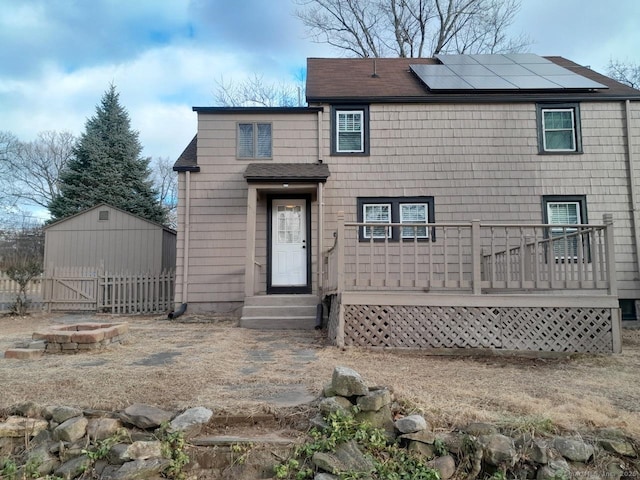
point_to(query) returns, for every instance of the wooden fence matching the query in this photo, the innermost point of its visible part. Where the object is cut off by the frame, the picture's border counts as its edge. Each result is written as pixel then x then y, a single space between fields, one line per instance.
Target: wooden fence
pixel 88 289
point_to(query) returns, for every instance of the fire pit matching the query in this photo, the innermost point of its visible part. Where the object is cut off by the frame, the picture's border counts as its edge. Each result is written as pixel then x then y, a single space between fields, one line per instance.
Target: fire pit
pixel 81 337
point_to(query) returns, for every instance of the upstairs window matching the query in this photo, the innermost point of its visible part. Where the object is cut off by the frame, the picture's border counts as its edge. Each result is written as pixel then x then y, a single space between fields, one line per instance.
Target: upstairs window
pixel 559 128
pixel 254 140
pixel 350 131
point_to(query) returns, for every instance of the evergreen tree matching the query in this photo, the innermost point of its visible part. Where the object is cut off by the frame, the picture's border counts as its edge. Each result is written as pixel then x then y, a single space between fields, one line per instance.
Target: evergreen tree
pixel 107 167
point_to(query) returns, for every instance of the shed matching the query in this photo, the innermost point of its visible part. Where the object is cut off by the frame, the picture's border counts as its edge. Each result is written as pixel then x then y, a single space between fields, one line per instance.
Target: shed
pixel 108 237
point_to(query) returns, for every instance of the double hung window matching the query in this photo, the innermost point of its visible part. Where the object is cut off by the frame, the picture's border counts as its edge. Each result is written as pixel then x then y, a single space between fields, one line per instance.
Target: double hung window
pixel 565 211
pixel 559 128
pixel 350 130
pixel 412 211
pixel 254 140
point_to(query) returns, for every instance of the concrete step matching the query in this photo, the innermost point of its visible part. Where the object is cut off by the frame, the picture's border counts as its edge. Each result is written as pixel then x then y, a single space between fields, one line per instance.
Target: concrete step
pixel 278 311
pixel 281 300
pixel 279 323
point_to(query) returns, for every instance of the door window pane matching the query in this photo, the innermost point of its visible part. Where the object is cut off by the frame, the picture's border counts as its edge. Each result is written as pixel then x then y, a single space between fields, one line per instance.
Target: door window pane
pixel 289 223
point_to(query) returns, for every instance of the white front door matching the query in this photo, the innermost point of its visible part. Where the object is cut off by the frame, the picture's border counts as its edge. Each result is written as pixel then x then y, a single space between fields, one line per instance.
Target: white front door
pixel 288 242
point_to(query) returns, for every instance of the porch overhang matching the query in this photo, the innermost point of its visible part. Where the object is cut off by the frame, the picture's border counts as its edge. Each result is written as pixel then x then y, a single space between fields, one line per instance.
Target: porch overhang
pixel 281 178
pixel 287 173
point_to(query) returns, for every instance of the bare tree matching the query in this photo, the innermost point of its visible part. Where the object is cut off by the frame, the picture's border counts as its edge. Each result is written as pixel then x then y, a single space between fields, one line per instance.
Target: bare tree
pixel 21 258
pixel 625 72
pixel 412 28
pixel 256 92
pixel 34 167
pixel 165 182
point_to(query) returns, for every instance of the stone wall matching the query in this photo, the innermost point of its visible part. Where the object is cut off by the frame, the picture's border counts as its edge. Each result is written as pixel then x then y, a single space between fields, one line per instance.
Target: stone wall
pixel 71 443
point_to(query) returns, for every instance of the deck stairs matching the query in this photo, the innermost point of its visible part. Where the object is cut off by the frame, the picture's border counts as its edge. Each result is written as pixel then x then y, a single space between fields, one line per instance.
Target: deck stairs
pixel 279 312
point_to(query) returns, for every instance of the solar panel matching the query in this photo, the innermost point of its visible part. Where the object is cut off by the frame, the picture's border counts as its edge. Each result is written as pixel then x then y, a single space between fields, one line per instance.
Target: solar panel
pixel 519 71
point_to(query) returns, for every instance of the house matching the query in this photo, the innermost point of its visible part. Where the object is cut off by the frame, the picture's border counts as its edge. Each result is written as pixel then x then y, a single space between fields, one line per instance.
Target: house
pixel 110 239
pixel 458 201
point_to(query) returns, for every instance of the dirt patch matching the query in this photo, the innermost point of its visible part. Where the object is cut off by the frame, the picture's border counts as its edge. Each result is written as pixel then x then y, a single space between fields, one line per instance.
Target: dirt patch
pixel 238 371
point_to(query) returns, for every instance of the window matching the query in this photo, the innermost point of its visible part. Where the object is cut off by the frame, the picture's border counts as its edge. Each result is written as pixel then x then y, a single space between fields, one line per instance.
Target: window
pixel 565 210
pixel 414 213
pixel 350 130
pixel 254 140
pixel 559 128
pixel 409 210
pixel 376 213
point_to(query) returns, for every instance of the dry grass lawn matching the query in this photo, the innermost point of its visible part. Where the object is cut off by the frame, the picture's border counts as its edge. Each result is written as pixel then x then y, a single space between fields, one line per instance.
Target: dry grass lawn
pixel 232 370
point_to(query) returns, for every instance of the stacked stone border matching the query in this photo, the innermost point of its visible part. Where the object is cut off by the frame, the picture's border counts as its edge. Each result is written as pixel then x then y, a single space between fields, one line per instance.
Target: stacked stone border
pixel 70 339
pixel 63 441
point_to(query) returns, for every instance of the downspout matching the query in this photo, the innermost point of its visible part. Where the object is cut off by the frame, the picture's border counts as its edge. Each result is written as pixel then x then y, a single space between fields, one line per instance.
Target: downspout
pixel 320 229
pixel 185 250
pixel 632 185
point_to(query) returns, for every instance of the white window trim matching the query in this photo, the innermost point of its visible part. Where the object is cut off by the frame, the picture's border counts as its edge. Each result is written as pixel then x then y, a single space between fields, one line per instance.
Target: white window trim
pixel 426 216
pixel 564 230
pixel 366 229
pixel 573 130
pixel 348 112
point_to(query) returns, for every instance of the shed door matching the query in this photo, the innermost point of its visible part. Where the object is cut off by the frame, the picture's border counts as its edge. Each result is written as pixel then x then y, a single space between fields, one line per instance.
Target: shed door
pixel 289 243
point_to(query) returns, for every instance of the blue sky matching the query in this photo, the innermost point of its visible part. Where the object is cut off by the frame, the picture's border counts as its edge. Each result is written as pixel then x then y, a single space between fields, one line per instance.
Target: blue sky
pixel 57 57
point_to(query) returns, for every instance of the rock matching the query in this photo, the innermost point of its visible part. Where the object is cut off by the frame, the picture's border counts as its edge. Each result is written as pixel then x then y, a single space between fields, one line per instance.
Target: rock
pixel 73 429
pixel 453 441
pixel 21 427
pixel 139 469
pixel 325 476
pixel 347 457
pixel 27 409
pixel 328 391
pixel 411 424
pixel 614 470
pixel 573 450
pixel 374 400
pixel 145 416
pixel 382 419
pixel 121 453
pixel 44 461
pixel 619 447
pixel 73 468
pixel 554 470
pixel 347 382
pixel 319 422
pixel 423 436
pixel 334 404
pixel 101 428
pixel 422 449
pixel 191 421
pixel 445 466
pixel 498 450
pixel 534 449
pixel 62 414
pixel 478 429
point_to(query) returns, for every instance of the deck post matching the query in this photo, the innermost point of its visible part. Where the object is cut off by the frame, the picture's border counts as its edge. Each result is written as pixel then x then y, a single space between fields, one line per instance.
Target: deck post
pixel 476 257
pixel 340 252
pixel 610 254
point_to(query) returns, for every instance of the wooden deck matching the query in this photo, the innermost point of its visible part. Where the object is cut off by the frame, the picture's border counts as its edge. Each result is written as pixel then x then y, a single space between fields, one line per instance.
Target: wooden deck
pixel 512 287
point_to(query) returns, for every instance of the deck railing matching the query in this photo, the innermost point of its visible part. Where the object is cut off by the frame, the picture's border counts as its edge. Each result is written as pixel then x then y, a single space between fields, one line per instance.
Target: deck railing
pixel 474 257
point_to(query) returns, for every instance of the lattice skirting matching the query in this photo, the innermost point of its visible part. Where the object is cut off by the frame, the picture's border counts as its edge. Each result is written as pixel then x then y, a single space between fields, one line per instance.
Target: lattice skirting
pixel 551 329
